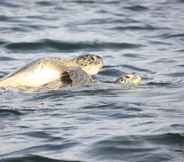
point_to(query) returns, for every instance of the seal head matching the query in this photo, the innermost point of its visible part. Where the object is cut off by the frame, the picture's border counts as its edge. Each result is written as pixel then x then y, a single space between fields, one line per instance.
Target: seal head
pixel 129 80
pixel 90 63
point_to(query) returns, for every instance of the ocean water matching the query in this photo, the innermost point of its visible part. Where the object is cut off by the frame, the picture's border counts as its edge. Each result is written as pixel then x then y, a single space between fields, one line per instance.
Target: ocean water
pixel 96 123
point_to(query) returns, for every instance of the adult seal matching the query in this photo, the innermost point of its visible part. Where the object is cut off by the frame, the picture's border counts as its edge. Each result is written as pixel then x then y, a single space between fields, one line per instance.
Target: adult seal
pixel 47 70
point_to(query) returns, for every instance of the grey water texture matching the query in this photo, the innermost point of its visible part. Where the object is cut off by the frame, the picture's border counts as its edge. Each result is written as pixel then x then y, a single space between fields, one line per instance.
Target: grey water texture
pixel 101 122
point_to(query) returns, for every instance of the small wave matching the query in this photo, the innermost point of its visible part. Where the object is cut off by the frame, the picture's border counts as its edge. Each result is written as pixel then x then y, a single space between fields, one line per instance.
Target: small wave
pixel 159 84
pixel 5 58
pixel 180 50
pixel 61 147
pixel 94 1
pixel 11 4
pixel 181 1
pixel 4 18
pixel 132 55
pixel 34 158
pixel 2 42
pixel 138 148
pixel 111 2
pixel 5 112
pixel 166 139
pixel 176 74
pixel 134 68
pixel 2 74
pixel 169 35
pixel 52 94
pixel 37 134
pixel 159 43
pixel 83 1
pixel 42 135
pixel 45 3
pixel 137 8
pixel 59 45
pixel 136 28
pixel 181 35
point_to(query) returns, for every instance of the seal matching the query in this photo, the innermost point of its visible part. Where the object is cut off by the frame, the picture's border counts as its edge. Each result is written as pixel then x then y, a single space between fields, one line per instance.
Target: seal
pixel 49 69
pixel 78 77
pixel 129 80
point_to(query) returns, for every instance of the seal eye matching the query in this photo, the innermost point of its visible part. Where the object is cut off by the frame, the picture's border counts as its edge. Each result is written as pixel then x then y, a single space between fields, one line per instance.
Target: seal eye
pixel 122 80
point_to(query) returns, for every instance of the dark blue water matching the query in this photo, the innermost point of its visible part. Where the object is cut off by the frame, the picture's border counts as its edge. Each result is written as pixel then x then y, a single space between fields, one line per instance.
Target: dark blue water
pixel 97 123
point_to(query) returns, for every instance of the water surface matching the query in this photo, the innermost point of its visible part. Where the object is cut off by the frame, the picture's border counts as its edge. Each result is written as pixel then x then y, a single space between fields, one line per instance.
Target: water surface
pixel 97 123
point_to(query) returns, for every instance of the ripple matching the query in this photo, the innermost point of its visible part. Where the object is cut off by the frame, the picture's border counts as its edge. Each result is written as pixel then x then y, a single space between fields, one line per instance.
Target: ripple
pixel 5 58
pixel 2 42
pixel 4 18
pixel 181 1
pixel 176 74
pixel 59 45
pixel 34 158
pixel 40 134
pixel 137 8
pixel 134 68
pixel 159 84
pixel 181 35
pixel 138 148
pixel 107 21
pixel 166 139
pixel 10 4
pixel 7 112
pixel 170 35
pixel 2 74
pixel 52 94
pixel 41 148
pixel 94 1
pixel 45 3
pixel 83 1
pixel 132 55
pixel 102 122
pixel 137 28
